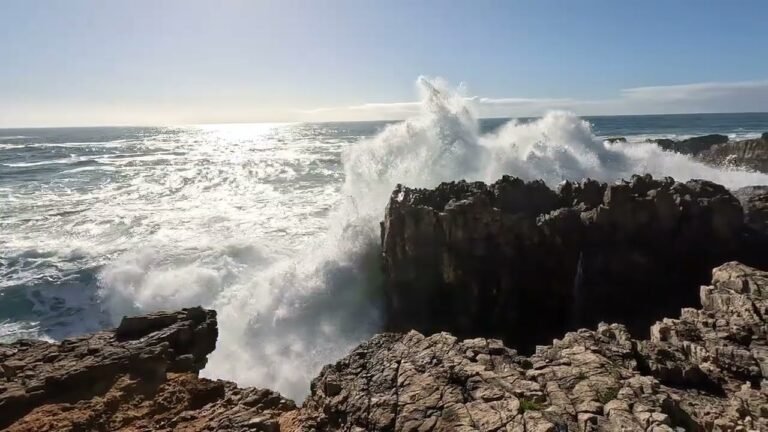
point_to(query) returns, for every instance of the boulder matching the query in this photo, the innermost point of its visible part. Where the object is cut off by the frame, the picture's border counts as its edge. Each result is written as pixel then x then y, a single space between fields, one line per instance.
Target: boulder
pixel 487 260
pixel 613 140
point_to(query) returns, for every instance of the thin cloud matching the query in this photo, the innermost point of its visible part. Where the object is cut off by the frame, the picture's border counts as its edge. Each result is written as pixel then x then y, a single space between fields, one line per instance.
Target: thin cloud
pixel 741 96
pixel 699 91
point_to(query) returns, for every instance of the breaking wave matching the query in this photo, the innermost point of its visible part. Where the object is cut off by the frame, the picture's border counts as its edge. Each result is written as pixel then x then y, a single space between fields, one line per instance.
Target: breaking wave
pixel 283 315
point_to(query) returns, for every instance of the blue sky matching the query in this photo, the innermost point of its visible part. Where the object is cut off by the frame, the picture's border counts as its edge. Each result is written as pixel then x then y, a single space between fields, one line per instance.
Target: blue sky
pixel 82 62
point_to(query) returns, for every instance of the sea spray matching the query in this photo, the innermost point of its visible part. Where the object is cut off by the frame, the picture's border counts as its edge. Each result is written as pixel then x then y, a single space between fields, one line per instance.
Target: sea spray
pixel 283 316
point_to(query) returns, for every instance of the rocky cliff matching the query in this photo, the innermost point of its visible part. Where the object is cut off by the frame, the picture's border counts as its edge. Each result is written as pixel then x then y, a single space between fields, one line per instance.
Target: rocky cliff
pixel 488 260
pixel 692 146
pixel 705 371
pixel 752 154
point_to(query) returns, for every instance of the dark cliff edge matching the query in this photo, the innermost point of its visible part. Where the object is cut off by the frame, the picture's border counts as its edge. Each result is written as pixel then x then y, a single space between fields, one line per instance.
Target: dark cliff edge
pixel 518 261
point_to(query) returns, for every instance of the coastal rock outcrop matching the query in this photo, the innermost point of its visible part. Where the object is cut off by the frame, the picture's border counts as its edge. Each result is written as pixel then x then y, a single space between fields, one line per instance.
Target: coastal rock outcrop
pixel 751 154
pixel 140 376
pixel 692 146
pixel 488 260
pixel 705 371
pixel 754 201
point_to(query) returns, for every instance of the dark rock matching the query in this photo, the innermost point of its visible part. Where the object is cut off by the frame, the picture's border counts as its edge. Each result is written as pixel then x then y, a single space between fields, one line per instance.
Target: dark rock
pixel 616 140
pixel 751 154
pixel 690 375
pixel 754 201
pixel 487 260
pixel 692 146
pixel 121 380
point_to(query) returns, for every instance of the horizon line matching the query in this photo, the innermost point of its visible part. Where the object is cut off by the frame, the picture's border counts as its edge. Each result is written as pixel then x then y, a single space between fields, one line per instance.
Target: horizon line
pixel 137 125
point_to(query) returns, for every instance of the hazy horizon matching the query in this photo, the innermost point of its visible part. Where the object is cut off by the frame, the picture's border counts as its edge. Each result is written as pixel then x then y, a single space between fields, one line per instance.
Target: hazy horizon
pixel 355 121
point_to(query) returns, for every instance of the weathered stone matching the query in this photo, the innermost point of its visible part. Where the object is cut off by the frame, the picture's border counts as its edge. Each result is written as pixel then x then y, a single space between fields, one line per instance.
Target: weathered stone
pixel 751 154
pixel 692 146
pixel 600 380
pixel 121 380
pixel 487 260
pixel 754 201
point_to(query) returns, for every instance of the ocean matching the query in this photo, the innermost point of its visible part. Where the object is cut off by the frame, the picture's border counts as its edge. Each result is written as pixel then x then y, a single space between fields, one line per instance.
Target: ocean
pixel 273 225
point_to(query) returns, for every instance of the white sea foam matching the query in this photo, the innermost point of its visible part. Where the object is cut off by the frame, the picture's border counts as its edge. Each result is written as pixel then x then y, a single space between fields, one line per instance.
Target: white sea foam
pixel 291 265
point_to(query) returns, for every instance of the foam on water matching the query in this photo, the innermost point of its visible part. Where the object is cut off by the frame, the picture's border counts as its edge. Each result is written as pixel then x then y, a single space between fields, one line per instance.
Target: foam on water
pixel 287 307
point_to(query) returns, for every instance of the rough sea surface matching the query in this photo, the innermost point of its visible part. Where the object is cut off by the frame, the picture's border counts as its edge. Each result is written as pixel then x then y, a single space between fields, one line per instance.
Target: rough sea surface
pixel 273 225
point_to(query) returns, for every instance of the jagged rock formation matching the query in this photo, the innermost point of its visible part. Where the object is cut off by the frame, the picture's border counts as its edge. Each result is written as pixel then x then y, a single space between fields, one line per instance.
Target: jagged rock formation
pixel 489 260
pixel 141 376
pixel 692 146
pixel 754 201
pixel 752 154
pixel 703 372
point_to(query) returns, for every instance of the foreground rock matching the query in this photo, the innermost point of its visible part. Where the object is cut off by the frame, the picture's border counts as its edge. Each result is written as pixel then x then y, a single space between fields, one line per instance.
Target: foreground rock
pixel 703 372
pixel 751 154
pixel 692 146
pixel 141 376
pixel 489 260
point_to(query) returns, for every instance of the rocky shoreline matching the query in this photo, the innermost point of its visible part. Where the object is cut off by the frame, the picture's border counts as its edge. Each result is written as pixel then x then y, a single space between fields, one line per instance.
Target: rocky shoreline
pixel 488 260
pixel 485 286
pixel 703 371
pixel 718 150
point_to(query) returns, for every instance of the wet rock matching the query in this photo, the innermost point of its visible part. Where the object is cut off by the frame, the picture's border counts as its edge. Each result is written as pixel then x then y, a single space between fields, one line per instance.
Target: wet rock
pixel 692 146
pixel 487 260
pixel 751 154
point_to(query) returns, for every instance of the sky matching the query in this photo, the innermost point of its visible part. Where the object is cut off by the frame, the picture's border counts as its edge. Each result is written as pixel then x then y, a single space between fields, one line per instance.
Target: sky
pixel 146 62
